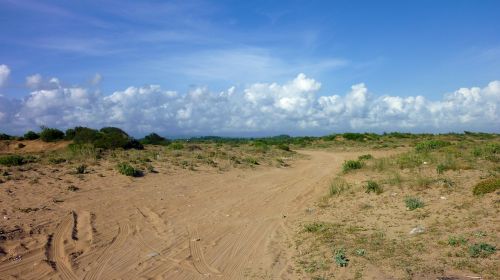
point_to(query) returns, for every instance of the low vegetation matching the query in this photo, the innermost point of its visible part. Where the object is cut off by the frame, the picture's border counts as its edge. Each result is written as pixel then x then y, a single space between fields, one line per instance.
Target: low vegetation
pixel 487 186
pixel 12 160
pixel 128 170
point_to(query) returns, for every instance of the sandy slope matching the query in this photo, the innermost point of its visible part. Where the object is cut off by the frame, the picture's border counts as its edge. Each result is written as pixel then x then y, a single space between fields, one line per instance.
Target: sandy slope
pixel 187 225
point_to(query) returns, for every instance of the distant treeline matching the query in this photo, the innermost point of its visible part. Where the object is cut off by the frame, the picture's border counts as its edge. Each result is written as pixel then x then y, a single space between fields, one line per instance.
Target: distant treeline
pixel 113 137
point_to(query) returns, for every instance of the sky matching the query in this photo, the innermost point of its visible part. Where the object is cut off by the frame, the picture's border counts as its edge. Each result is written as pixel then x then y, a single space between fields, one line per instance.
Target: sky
pixel 250 68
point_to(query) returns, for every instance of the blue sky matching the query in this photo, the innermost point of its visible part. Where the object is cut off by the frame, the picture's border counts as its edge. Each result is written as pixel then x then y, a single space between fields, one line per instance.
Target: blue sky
pixel 395 48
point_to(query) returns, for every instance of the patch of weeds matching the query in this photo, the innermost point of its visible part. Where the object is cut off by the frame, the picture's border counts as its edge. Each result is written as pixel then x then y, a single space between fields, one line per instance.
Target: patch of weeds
pixel 413 203
pixel 409 160
pixel 12 160
pixel 315 227
pixel 176 146
pixel 57 160
pixel 314 266
pixel 456 241
pixel 481 250
pixel 128 170
pixel 338 186
pixel 381 164
pixel 73 188
pixel 351 165
pixel 81 169
pixel 360 252
pixel 341 258
pixel 426 146
pixel 251 161
pixel 284 147
pixel 423 182
pixel 365 157
pixel 395 179
pixel 372 186
pixel 486 186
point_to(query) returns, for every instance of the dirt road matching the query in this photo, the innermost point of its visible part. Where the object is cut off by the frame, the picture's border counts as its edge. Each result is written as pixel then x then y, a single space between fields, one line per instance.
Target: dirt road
pixel 189 225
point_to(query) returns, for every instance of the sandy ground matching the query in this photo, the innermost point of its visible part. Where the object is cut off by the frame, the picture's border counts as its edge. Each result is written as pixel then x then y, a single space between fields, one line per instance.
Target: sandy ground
pixel 184 225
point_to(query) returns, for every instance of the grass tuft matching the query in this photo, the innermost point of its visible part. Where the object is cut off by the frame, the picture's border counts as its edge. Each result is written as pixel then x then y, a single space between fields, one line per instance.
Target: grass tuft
pixel 486 186
pixel 351 165
pixel 413 203
pixel 128 170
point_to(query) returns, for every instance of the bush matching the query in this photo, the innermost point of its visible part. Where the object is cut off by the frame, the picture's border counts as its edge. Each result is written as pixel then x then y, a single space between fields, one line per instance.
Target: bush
pixel 351 165
pixel 251 160
pixel 176 146
pixel 486 186
pixel 341 258
pixel 51 134
pixel 31 135
pixel 106 138
pixel 338 186
pixel 81 135
pixel 155 139
pixel 284 147
pixel 12 160
pixel 481 250
pixel 365 157
pixel 372 186
pixel 80 169
pixel 429 145
pixel 128 170
pixel 354 136
pixel 413 203
pixel 4 136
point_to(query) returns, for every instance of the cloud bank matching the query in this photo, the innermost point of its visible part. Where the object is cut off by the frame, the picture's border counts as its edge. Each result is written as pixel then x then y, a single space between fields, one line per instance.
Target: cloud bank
pixel 257 109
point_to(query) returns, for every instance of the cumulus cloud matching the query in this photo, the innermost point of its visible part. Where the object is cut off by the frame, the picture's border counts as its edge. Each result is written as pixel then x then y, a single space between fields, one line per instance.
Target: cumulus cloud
pixel 4 74
pixel 34 81
pixel 262 108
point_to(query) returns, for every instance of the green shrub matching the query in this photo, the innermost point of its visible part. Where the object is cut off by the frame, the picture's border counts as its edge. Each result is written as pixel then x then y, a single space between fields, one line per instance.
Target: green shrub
pixel 354 136
pixel 106 138
pixel 338 186
pixel 481 250
pixel 176 146
pixel 284 147
pixel 4 136
pixel 83 135
pixel 456 240
pixel 12 160
pixel 315 227
pixel 31 135
pixel 372 186
pixel 155 139
pixel 429 145
pixel 251 160
pixel 486 186
pixel 365 157
pixel 413 203
pixel 51 134
pixel 80 169
pixel 351 165
pixel 128 170
pixel 341 258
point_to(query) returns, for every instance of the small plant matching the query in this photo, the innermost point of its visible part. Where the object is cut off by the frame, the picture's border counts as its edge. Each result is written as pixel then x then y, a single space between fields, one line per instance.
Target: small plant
pixel 56 160
pixel 338 186
pixel 128 170
pixel 12 160
pixel 440 168
pixel 351 165
pixel 284 147
pixel 365 157
pixel 341 258
pixel 481 250
pixel 315 227
pixel 251 160
pixel 73 188
pixel 413 203
pixel 457 240
pixel 360 252
pixel 486 186
pixel 80 169
pixel 372 186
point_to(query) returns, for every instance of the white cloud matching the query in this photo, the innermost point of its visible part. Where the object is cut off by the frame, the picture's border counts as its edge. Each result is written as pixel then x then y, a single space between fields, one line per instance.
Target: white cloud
pixel 293 107
pixel 4 74
pixel 96 79
pixel 34 81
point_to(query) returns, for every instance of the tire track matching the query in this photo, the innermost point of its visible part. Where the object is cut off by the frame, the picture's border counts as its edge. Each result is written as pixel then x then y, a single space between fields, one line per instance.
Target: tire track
pixel 197 256
pixel 57 251
pixel 103 259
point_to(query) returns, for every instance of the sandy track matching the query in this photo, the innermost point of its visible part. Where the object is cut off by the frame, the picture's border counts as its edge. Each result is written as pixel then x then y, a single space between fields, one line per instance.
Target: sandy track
pixel 234 225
